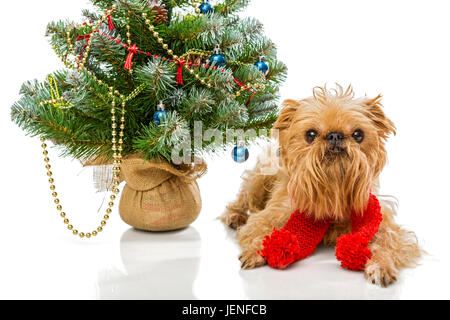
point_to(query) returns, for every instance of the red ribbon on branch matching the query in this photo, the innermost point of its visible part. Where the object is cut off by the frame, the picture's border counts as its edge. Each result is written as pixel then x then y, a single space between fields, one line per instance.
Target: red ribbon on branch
pixel 129 61
pixel 240 84
pixel 110 23
pixel 250 100
pixel 83 37
pixel 180 63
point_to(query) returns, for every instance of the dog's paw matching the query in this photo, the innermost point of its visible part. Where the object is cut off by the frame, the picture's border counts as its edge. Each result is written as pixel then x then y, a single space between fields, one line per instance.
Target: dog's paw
pixel 234 219
pixel 251 259
pixel 381 275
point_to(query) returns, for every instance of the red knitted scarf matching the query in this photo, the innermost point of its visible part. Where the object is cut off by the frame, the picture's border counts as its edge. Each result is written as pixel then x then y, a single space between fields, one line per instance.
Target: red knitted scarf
pixel 300 236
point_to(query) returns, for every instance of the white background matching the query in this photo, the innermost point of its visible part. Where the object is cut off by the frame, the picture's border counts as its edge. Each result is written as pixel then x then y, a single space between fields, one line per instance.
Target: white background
pixel 397 48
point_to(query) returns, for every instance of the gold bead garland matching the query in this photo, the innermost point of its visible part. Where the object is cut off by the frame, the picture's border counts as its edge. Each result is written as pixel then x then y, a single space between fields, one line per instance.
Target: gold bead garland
pixel 196 5
pixel 160 40
pixel 59 102
pixel 170 52
pixel 81 61
pixel 129 37
pixel 56 100
pixel 192 71
pixel 66 62
pixel 117 147
pixel 155 34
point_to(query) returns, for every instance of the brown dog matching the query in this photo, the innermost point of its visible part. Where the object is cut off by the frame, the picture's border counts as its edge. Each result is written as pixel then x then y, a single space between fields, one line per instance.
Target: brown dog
pixel 332 152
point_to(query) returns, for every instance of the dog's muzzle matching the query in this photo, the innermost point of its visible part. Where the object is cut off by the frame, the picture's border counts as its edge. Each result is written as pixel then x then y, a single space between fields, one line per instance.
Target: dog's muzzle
pixel 335 140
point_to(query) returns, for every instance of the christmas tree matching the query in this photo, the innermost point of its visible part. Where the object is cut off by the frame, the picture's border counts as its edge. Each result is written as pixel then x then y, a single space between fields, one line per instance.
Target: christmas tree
pixel 140 73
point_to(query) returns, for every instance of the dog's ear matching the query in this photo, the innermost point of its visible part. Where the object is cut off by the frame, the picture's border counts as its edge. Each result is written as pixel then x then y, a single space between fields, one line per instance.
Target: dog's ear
pixel 377 115
pixel 286 115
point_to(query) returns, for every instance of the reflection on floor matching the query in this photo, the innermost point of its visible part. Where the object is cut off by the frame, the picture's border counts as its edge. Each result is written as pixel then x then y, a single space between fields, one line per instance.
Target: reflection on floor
pixel 318 277
pixel 182 265
pixel 157 266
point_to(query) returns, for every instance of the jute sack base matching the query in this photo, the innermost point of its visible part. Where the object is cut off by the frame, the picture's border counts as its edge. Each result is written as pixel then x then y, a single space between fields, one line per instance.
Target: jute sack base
pixel 158 196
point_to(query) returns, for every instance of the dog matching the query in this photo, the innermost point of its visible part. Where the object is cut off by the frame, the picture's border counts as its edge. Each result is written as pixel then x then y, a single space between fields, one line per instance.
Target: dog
pixel 332 151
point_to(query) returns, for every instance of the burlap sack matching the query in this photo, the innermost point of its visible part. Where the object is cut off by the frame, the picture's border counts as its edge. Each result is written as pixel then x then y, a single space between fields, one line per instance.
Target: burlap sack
pixel 158 196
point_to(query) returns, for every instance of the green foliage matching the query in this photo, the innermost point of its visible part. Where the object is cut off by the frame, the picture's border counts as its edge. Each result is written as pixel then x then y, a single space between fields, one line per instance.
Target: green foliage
pixel 158 141
pixel 80 123
pixel 228 7
pixel 158 77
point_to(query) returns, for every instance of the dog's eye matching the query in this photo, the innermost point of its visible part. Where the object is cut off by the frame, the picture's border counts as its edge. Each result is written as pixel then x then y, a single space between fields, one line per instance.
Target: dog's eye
pixel 358 135
pixel 311 135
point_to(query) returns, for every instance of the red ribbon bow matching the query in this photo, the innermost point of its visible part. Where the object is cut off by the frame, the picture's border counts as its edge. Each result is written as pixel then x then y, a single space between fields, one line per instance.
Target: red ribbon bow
pixel 131 52
pixel 180 63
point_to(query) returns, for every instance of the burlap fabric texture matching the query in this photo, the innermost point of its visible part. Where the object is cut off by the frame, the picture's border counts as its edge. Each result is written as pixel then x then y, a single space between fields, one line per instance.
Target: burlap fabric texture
pixel 158 196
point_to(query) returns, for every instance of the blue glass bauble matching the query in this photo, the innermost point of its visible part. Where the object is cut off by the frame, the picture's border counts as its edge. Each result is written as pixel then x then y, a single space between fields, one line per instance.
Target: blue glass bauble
pixel 206 7
pixel 159 116
pixel 218 59
pixel 263 66
pixel 240 154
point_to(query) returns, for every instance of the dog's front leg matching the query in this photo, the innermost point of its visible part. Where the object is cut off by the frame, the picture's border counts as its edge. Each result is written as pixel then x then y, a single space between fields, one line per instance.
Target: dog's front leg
pixel 393 248
pixel 259 225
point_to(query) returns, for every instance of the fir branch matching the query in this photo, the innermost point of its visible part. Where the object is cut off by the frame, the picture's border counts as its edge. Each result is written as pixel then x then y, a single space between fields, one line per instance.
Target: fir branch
pixel 159 140
pixel 198 102
pixel 158 77
pixel 231 6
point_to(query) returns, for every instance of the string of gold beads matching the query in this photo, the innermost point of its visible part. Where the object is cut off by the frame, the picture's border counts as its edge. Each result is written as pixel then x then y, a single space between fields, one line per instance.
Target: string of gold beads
pixel 57 102
pixel 69 41
pixel 160 40
pixel 192 71
pixel 242 89
pixel 129 37
pixel 117 147
pixel 64 60
pixel 81 61
pixel 155 34
pixel 170 52
pixel 196 5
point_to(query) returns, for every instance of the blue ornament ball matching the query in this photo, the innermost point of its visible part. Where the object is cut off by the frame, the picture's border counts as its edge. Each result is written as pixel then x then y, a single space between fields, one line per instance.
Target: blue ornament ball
pixel 206 7
pixel 159 116
pixel 240 154
pixel 263 66
pixel 218 59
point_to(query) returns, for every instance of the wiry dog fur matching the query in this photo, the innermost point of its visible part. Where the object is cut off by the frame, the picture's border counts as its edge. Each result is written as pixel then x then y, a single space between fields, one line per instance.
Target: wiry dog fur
pixel 324 184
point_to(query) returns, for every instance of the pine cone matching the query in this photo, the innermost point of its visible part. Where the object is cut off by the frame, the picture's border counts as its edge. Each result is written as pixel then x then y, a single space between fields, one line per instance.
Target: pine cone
pixel 161 15
pixel 160 11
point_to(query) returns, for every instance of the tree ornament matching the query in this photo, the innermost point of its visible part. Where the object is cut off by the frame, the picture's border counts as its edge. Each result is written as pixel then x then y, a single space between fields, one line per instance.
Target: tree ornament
pixel 240 153
pixel 206 7
pixel 217 58
pixel 160 115
pixel 262 65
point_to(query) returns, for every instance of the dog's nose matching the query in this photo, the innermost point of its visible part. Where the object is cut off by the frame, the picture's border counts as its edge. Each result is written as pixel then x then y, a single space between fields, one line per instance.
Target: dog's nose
pixel 335 138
